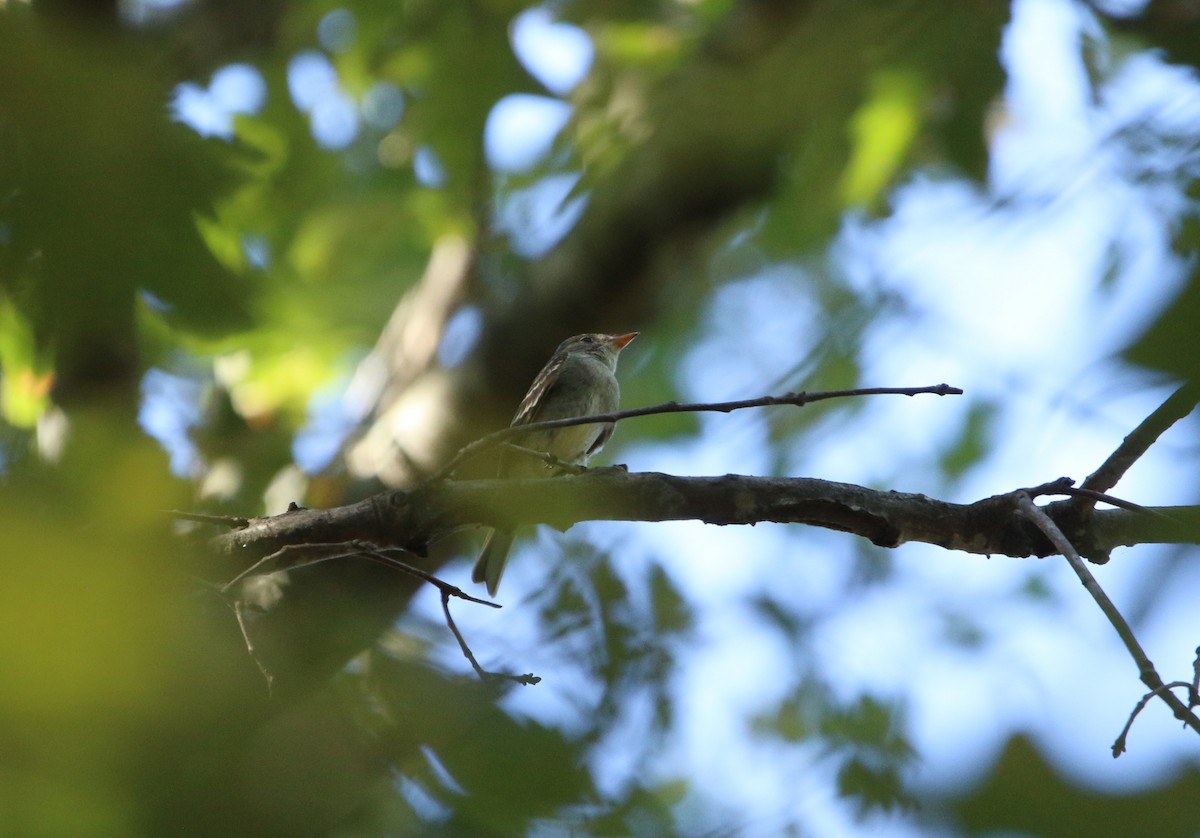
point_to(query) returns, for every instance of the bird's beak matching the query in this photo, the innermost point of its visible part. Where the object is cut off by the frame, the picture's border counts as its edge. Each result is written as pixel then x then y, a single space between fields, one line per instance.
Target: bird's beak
pixel 620 341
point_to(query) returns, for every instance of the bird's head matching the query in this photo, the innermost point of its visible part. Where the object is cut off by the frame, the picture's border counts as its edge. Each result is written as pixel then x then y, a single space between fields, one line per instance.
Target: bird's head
pixel 605 347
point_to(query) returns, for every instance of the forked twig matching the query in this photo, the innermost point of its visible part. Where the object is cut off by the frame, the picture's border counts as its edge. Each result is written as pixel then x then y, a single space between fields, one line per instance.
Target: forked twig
pixel 292 556
pixel 448 591
pixel 1118 746
pixel 302 555
pixel 485 674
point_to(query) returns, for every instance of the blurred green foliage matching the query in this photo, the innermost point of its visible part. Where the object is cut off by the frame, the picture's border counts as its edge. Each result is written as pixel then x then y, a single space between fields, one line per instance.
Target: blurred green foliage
pixel 1025 794
pixel 704 132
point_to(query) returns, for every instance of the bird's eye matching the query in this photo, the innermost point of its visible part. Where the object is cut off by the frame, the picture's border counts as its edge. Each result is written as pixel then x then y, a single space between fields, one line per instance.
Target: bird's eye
pixel 588 339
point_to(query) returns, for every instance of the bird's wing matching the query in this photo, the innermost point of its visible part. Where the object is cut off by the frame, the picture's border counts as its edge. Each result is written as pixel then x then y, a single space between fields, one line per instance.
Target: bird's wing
pixel 546 379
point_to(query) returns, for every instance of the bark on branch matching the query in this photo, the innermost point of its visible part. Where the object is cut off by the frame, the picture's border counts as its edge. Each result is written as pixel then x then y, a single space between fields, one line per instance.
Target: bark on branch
pixel 417 518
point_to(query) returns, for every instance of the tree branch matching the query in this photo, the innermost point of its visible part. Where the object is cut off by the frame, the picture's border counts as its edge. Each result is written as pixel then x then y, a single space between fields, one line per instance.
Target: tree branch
pixel 1118 746
pixel 797 399
pixel 1182 402
pixel 415 519
pixel 1146 670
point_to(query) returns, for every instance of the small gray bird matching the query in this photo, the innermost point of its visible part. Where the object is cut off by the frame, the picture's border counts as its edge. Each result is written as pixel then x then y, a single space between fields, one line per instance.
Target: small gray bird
pixel 579 380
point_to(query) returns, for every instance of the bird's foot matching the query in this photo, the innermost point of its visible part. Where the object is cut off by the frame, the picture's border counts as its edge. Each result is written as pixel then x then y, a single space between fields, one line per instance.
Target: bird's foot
pixel 616 467
pixel 563 467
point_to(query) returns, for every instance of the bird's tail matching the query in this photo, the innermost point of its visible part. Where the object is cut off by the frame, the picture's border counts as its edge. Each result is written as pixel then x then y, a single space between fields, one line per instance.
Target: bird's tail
pixel 492 560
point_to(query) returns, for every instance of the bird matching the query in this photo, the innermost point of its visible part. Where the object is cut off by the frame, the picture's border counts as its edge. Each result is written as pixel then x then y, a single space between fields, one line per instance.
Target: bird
pixel 578 380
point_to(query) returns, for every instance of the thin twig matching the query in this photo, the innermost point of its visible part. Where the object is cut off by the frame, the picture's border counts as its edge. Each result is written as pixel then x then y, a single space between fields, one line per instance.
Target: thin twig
pixel 1146 670
pixel 1194 698
pixel 234 522
pixel 377 555
pixel 484 674
pixel 1102 497
pixel 448 591
pixel 1178 405
pixel 1118 746
pixel 1064 546
pixel 311 554
pixel 1064 486
pixel 314 553
pixel 797 399
pixel 550 460
pixel 306 554
pixel 239 612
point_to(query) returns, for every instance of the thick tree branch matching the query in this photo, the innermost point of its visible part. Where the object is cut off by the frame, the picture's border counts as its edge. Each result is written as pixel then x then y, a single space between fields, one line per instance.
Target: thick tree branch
pixel 417 518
